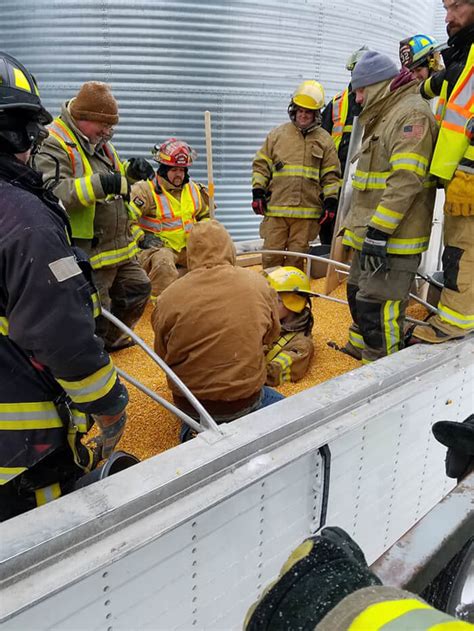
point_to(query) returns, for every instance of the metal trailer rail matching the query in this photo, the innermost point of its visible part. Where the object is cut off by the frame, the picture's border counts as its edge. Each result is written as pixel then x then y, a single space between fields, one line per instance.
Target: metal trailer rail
pixel 189 538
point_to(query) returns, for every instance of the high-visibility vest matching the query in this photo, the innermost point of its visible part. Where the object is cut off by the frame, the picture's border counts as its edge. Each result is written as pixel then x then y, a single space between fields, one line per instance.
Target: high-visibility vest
pixel 173 219
pixel 453 142
pixel 340 109
pixel 82 223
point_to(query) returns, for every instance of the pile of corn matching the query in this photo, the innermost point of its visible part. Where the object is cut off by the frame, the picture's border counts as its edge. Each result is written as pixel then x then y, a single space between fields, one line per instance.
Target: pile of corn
pixel 151 429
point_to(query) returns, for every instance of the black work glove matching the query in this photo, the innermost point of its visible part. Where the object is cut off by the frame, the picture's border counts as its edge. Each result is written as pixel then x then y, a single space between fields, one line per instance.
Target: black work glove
pixel 115 184
pixel 459 439
pixel 259 203
pixel 329 211
pixel 321 572
pixel 374 251
pixel 140 169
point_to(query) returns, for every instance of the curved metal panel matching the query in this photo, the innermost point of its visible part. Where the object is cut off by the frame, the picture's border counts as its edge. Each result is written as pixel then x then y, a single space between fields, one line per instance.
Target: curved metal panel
pixel 169 61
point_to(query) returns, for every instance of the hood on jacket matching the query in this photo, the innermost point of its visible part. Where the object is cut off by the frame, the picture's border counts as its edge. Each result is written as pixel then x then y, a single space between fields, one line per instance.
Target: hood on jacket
pixel 209 245
pixel 378 95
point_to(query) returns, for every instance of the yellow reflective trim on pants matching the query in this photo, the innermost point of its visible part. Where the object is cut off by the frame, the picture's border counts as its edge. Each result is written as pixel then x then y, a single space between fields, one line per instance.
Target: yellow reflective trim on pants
pixel 356 339
pixel 112 257
pixel 455 318
pixel 285 361
pixel 47 494
pixel 391 313
pixel 3 326
pixel 366 361
pixel 8 473
pixel 24 416
pixel 93 387
pixel 96 306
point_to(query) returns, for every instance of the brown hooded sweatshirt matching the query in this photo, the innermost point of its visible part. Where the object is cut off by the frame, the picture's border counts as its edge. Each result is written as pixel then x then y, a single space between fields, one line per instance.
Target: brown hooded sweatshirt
pixel 212 326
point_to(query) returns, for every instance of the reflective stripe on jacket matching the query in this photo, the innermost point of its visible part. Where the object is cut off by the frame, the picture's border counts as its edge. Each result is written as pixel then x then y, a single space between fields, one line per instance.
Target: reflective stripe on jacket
pixel 340 109
pixel 454 114
pixel 102 223
pixel 392 189
pixel 296 169
pixel 173 219
pixel 82 224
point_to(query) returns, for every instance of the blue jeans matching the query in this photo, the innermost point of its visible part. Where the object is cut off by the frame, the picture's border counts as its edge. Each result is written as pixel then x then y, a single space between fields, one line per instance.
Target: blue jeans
pixel 268 396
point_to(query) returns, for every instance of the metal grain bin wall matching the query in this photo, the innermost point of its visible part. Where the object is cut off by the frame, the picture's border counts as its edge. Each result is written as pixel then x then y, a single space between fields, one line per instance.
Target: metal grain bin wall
pixel 168 61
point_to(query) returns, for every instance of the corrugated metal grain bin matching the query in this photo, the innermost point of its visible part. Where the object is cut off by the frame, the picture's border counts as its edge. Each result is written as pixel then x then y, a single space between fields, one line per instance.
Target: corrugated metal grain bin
pixel 168 61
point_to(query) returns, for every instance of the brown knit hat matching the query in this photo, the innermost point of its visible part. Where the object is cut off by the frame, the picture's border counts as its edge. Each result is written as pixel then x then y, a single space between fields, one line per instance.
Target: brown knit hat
pixel 95 102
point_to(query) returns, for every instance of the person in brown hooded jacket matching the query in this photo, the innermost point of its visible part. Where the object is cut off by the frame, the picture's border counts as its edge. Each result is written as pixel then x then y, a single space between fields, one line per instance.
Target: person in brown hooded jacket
pixel 212 326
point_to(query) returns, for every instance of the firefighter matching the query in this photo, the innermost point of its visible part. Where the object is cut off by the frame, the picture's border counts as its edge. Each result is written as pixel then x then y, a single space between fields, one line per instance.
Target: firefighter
pixel 420 55
pixel 453 163
pixel 212 325
pixel 326 585
pixel 339 114
pixel 296 179
pixel 82 166
pixel 290 356
pixel 54 372
pixel 389 222
pixel 168 206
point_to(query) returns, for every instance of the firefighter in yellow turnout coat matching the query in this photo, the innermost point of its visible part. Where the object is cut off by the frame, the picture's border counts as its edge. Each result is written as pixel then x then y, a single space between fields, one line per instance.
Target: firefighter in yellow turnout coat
pixel 296 179
pixel 453 163
pixel 289 357
pixel 87 175
pixel 167 207
pixel 389 222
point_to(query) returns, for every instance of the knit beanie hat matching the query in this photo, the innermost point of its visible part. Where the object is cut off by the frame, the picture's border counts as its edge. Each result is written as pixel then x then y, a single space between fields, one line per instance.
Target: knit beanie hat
pixel 373 68
pixel 95 102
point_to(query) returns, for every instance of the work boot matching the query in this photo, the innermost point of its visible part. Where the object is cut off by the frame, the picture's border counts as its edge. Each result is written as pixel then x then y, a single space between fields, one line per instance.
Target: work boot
pixel 430 335
pixel 123 341
pixel 459 439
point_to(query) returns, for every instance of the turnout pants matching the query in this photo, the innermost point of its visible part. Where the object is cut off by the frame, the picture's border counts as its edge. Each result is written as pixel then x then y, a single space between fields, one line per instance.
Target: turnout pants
pixel 378 303
pixel 124 291
pixel 456 304
pixel 161 264
pixel 285 233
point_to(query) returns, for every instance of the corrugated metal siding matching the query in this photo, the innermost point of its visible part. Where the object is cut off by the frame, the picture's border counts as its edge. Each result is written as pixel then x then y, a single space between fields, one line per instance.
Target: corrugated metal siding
pixel 169 61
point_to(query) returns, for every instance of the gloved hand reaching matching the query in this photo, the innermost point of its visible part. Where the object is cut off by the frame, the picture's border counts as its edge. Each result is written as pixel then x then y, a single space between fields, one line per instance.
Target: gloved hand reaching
pixel 373 256
pixel 115 184
pixel 140 169
pixel 111 430
pixel 329 211
pixel 259 203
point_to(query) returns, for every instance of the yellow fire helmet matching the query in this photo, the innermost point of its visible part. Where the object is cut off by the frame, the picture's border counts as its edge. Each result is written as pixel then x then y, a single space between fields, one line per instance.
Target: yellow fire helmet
pixel 293 286
pixel 310 95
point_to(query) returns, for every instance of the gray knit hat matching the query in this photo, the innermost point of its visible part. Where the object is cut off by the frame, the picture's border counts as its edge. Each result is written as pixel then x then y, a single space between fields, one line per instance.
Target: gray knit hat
pixel 373 68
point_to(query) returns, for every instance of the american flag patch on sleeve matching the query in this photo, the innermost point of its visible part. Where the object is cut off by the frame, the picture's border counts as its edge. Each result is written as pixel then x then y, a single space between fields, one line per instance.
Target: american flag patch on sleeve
pixel 414 131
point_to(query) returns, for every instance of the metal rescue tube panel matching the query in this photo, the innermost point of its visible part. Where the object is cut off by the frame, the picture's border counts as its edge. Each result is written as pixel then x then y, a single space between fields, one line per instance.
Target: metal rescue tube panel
pixel 189 538
pixel 168 62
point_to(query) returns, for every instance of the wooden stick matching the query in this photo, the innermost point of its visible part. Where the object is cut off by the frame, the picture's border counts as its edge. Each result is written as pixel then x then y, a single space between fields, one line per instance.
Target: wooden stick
pixel 210 170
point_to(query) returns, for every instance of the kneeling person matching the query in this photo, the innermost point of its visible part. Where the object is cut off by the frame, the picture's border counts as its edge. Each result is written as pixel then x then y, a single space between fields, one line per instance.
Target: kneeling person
pixel 289 357
pixel 212 326
pixel 168 206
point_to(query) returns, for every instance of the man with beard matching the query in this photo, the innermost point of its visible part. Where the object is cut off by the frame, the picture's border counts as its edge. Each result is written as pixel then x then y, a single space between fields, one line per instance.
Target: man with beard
pixel 453 163
pixel 296 179
pixel 82 166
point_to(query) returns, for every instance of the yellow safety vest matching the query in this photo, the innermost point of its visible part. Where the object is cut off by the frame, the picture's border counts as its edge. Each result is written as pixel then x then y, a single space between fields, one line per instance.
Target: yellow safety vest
pixel 340 109
pixel 453 143
pixel 82 223
pixel 173 219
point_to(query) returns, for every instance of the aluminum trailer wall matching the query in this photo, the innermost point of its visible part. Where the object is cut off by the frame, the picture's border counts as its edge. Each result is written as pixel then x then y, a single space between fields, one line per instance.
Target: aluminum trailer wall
pixel 168 61
pixel 189 538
